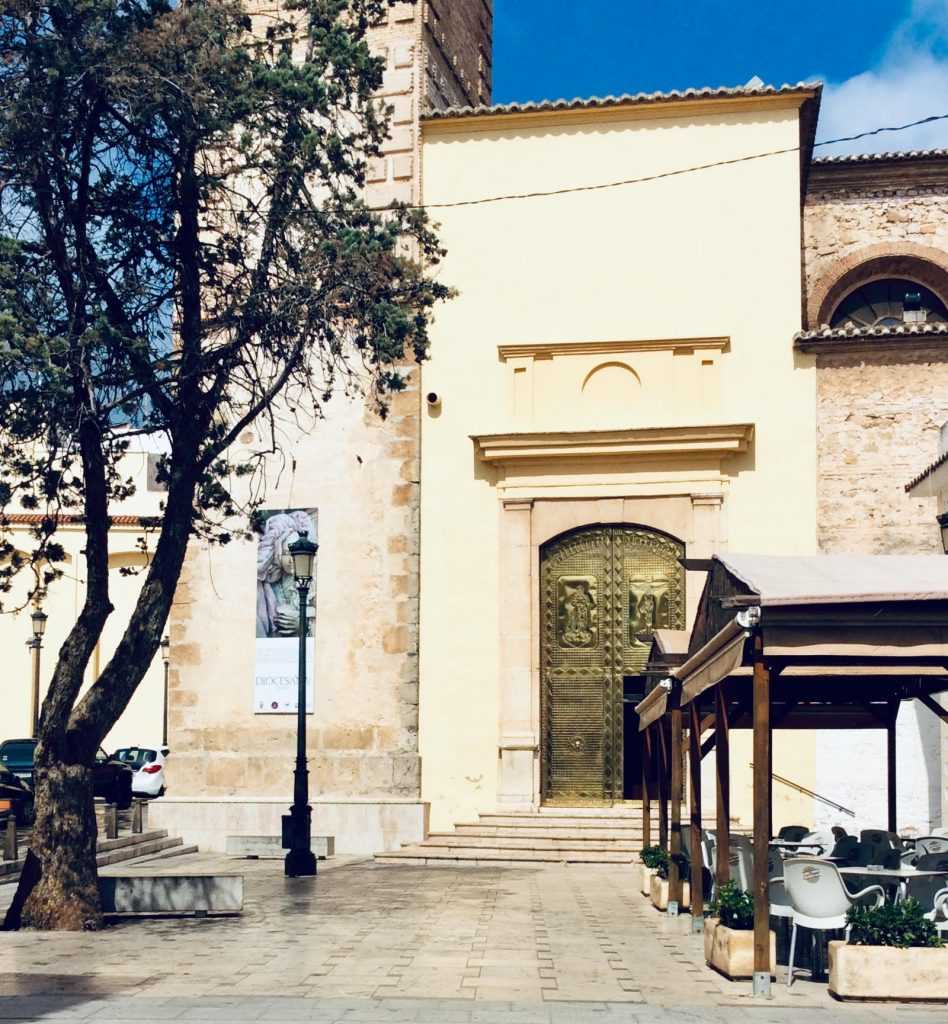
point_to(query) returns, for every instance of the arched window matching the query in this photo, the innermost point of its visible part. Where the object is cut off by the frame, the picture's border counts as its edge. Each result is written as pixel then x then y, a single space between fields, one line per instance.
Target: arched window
pixel 889 302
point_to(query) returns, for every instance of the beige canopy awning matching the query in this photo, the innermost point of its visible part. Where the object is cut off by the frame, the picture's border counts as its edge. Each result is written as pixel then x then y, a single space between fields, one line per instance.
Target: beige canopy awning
pixel 651 708
pixel 715 661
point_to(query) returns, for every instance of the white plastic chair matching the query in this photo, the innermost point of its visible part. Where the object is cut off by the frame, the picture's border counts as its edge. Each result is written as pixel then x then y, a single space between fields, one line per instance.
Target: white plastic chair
pixel 818 843
pixel 779 903
pixel 940 832
pixel 931 844
pixel 741 862
pixel 818 898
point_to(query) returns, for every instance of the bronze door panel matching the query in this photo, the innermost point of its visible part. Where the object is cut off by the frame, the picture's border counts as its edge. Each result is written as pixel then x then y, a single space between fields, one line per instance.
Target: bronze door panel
pixel 604 589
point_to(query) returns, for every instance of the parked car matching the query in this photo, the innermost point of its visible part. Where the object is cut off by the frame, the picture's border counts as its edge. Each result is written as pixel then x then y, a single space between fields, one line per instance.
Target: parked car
pixel 148 765
pixel 16 798
pixel 111 779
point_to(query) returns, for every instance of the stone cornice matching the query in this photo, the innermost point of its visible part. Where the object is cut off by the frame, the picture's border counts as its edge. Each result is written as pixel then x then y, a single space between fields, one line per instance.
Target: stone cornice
pixel 547 350
pixel 717 440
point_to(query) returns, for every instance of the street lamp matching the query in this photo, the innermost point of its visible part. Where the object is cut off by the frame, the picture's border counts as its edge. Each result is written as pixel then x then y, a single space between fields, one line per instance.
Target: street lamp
pixel 297 825
pixel 943 526
pixel 38 620
pixel 165 646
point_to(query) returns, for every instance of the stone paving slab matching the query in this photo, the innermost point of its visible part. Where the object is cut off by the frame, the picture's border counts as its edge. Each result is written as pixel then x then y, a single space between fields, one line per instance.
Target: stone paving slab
pixel 365 943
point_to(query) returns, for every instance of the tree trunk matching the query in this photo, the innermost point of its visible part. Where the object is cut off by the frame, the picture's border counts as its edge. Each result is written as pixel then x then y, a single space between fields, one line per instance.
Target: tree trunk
pixel 66 897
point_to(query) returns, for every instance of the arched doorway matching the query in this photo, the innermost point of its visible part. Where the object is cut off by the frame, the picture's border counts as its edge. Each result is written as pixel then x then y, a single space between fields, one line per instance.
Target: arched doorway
pixel 603 591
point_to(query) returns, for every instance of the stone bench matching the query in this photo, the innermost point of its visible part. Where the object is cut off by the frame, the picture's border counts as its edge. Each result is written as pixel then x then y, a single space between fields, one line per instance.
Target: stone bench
pixel 156 893
pixel 271 847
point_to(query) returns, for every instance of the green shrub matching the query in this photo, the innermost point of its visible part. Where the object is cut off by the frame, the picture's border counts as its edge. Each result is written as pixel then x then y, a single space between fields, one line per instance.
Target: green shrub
pixel 654 857
pixel 734 907
pixel 901 924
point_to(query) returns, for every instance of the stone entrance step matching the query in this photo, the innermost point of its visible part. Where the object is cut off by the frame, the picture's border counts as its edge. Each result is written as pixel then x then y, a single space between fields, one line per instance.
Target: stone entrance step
pixel 590 835
pixel 136 848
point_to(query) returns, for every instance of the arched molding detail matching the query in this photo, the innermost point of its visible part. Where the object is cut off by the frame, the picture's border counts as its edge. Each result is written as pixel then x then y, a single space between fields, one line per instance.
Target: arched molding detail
pixel 630 374
pixel 921 263
pixel 129 559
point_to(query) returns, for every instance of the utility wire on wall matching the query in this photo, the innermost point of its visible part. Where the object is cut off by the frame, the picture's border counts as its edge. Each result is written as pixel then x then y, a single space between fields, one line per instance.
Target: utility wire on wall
pixel 667 174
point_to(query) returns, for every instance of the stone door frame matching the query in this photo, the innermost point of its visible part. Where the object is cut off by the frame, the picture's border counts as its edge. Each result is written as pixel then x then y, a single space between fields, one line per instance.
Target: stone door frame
pixel 696 518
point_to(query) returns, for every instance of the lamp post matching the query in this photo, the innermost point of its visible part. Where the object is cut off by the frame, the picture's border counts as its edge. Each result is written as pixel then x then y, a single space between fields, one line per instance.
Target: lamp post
pixel 165 646
pixel 943 526
pixel 38 621
pixel 297 825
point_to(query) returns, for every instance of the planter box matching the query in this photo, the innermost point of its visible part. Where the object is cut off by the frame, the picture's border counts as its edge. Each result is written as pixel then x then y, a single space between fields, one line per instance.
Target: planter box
pixel 884 972
pixel 647 875
pixel 659 894
pixel 731 952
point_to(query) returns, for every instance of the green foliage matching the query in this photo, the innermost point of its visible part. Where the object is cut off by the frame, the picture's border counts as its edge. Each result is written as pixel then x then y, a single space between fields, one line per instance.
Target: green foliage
pixel 733 906
pixel 653 857
pixel 185 254
pixel 900 924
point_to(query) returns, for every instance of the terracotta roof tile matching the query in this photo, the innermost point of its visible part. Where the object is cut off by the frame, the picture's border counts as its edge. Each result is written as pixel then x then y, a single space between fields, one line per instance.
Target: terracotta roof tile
pixel 636 99
pixel 879 158
pixel 843 334
pixel 940 461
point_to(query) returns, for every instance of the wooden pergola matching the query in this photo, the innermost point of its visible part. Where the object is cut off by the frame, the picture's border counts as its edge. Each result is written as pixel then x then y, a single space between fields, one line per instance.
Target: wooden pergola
pixel 821 642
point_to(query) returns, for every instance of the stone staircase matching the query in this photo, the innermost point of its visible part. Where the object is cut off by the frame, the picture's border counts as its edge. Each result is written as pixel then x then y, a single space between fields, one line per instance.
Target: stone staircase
pixel 553 835
pixel 131 848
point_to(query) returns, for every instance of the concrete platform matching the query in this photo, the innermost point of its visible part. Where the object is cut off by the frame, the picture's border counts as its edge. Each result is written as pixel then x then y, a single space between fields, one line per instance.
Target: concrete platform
pixel 156 892
pixel 271 847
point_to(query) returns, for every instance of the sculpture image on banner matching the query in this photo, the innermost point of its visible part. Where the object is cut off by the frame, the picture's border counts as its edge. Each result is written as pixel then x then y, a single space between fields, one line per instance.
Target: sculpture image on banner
pixel 276 675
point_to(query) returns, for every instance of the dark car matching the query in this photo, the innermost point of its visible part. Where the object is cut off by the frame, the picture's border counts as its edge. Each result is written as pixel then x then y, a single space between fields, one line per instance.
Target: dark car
pixel 16 798
pixel 111 779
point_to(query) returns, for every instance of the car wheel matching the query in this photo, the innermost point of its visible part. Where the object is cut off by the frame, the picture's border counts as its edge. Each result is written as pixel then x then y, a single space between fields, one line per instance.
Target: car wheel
pixel 161 792
pixel 122 796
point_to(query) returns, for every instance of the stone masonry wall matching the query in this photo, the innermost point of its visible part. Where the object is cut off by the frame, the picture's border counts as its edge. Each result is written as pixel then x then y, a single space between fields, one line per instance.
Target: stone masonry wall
pixel 363 476
pixel 848 217
pixel 879 410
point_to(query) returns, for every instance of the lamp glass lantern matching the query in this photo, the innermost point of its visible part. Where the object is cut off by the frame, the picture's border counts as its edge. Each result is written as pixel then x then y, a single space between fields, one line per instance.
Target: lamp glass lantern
pixel 38 618
pixel 303 552
pixel 943 526
pixel 165 646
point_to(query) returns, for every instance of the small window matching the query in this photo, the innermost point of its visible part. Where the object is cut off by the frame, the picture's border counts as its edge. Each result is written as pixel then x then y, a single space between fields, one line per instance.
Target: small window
pixel 889 303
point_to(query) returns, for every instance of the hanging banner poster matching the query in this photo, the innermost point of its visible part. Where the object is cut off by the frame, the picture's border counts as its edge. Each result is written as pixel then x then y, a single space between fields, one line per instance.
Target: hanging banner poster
pixel 276 674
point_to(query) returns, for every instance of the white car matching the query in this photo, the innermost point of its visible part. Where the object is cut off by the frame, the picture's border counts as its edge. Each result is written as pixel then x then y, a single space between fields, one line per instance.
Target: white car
pixel 148 765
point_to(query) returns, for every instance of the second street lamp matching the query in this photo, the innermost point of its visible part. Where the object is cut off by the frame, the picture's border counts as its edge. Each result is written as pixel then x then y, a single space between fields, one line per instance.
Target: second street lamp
pixel 165 646
pixel 297 825
pixel 38 621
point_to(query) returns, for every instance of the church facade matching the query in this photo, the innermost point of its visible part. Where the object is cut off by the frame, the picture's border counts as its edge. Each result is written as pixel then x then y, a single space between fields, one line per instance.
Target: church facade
pixel 677 332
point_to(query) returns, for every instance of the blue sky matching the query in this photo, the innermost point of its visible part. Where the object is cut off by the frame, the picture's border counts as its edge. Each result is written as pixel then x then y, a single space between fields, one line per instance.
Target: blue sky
pixel 883 61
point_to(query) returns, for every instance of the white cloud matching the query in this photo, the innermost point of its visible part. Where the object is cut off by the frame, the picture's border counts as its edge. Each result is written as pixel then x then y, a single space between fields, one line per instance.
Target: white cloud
pixel 909 83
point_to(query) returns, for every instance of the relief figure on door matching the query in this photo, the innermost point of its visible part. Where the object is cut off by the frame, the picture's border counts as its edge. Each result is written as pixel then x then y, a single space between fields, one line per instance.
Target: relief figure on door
pixel 576 604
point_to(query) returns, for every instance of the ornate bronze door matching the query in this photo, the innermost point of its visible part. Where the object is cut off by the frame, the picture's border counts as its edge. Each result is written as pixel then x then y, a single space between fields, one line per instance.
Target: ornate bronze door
pixel 603 590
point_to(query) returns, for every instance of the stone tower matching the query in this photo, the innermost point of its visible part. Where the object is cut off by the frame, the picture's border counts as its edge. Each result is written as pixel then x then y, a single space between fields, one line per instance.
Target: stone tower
pixel 438 54
pixel 230 767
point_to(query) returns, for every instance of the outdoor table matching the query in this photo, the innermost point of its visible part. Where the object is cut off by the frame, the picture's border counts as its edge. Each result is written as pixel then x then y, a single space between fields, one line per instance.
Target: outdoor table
pixel 784 846
pixel 890 877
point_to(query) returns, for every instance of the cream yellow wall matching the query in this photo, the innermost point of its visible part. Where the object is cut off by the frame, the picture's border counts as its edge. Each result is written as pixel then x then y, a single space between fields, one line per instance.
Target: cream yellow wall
pixel 710 254
pixel 141 721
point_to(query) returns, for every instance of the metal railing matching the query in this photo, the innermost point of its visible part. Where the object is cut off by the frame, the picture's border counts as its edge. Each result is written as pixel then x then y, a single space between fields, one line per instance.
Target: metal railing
pixel 809 792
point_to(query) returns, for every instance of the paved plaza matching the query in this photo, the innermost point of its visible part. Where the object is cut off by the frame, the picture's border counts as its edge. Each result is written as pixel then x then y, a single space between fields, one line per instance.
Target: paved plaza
pixel 368 943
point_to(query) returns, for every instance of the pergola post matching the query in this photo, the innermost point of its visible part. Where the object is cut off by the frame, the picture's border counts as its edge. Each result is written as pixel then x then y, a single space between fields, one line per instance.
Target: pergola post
pixel 697 860
pixel 646 795
pixel 722 763
pixel 762 743
pixel 674 848
pixel 891 782
pixel 663 767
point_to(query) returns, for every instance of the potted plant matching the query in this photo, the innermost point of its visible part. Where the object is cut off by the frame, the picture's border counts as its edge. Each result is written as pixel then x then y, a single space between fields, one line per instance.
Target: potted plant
pixel 659 882
pixel 729 933
pixel 651 857
pixel 893 952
